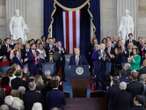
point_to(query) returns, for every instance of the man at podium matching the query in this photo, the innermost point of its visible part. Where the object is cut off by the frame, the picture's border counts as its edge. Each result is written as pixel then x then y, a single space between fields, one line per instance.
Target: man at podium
pixel 77 59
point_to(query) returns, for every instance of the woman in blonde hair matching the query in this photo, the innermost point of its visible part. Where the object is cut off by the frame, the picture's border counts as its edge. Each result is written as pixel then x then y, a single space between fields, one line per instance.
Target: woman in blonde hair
pixel 15 55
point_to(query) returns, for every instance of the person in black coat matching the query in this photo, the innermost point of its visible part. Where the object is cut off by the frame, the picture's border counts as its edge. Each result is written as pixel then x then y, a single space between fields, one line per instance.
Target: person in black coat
pixel 55 98
pixel 124 98
pixel 33 60
pixel 138 103
pixel 77 59
pixel 18 81
pixel 135 87
pixel 32 96
pixel 6 48
pixel 112 94
pixel 109 58
pixel 131 40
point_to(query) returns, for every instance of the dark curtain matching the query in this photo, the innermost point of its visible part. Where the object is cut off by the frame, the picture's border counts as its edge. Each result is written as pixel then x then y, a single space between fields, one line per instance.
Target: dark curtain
pixel 71 3
pixel 48 9
pixel 58 25
pixel 95 9
pixel 85 20
pixel 84 31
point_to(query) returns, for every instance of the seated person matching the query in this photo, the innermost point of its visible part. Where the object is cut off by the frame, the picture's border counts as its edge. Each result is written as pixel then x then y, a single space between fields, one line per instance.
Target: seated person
pixel 77 58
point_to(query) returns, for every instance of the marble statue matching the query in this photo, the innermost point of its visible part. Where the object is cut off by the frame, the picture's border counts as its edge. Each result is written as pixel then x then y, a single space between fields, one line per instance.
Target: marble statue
pixel 126 26
pixel 18 27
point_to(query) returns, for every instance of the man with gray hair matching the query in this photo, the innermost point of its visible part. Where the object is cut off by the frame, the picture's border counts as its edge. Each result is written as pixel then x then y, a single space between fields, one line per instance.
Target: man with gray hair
pixel 124 98
pixel 4 107
pixel 37 106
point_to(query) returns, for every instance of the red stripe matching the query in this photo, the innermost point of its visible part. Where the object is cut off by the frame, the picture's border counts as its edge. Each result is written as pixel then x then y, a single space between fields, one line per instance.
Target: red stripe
pixel 74 29
pixel 67 31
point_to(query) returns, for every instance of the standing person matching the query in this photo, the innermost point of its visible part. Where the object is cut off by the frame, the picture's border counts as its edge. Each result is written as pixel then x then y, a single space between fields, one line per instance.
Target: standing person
pixel 109 52
pixel 60 58
pixel 96 59
pixel 135 59
pixel 32 96
pixel 124 98
pixel 50 49
pixel 55 97
pixel 15 55
pixel 6 48
pixel 33 60
pixel 77 59
pixel 120 57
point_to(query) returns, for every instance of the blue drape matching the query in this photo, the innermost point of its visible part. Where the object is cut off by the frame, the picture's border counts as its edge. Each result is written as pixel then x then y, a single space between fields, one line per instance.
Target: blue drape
pixel 48 9
pixel 71 3
pixel 85 20
pixel 84 31
pixel 58 25
pixel 95 9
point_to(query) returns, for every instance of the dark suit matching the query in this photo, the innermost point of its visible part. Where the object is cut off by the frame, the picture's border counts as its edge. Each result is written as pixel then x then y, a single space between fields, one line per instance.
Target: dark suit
pixel 30 97
pixel 33 69
pixel 112 96
pixel 82 60
pixel 4 50
pixel 123 101
pixel 55 98
pixel 142 70
pixel 135 88
pixel 97 60
pixel 24 55
pixel 16 60
pixel 133 41
pixel 108 60
pixel 137 108
pixel 17 82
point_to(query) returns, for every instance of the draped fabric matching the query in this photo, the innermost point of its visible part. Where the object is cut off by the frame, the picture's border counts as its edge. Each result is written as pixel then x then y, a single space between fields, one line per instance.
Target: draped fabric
pixel 95 10
pixel 85 26
pixel 58 25
pixel 71 30
pixel 48 9
pixel 71 3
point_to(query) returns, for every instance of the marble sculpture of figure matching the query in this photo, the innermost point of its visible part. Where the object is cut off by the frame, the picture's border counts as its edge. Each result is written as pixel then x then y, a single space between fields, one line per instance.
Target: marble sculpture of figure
pixel 18 27
pixel 126 26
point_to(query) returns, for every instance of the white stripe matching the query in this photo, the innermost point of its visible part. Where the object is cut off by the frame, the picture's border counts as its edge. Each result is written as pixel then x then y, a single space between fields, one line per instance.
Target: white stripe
pixel 78 29
pixel 70 32
pixel 64 28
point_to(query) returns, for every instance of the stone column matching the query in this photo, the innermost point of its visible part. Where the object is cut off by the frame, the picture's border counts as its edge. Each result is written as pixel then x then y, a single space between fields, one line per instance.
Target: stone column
pixel 2 18
pixel 131 5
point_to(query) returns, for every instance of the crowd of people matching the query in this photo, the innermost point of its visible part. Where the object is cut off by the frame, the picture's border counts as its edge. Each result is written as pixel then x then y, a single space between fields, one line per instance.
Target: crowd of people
pixel 117 67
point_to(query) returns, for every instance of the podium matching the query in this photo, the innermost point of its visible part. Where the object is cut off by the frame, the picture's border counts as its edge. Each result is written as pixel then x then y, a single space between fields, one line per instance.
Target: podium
pixel 73 72
pixel 78 76
pixel 49 67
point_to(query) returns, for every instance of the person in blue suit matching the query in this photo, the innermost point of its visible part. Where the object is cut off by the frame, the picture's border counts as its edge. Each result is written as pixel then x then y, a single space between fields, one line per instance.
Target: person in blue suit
pixel 55 97
pixel 33 60
pixel 96 59
pixel 78 59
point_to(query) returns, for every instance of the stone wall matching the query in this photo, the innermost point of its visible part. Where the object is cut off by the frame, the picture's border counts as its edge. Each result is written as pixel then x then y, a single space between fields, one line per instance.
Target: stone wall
pixel 108 17
pixel 2 18
pixel 32 10
pixel 141 24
